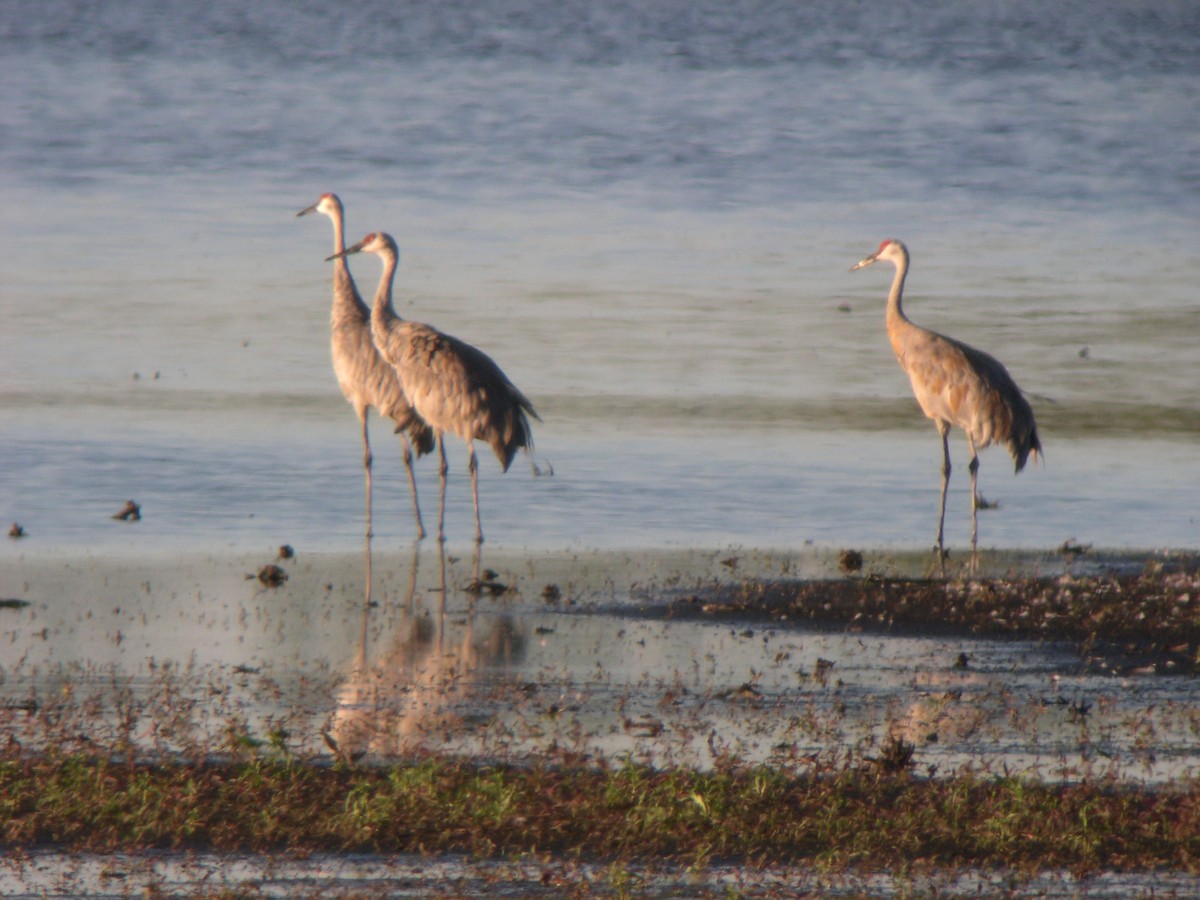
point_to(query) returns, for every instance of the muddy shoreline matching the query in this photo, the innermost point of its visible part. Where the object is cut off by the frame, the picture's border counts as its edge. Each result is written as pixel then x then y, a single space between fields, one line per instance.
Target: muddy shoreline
pixel 1124 623
pixel 683 688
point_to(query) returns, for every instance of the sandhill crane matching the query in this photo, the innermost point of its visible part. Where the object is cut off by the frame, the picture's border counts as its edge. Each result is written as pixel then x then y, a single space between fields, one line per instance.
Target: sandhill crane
pixel 956 385
pixel 365 378
pixel 453 386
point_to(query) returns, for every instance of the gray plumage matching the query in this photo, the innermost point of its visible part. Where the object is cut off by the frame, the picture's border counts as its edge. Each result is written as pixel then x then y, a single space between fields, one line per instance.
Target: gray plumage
pixel 366 379
pixel 453 386
pixel 955 384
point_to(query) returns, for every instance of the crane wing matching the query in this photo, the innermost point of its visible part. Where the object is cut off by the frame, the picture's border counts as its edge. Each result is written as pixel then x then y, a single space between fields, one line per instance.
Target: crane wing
pixel 458 388
pixel 954 382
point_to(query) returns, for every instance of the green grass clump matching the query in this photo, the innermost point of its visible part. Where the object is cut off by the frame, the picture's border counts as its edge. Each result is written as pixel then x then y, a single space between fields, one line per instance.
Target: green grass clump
pixel 856 816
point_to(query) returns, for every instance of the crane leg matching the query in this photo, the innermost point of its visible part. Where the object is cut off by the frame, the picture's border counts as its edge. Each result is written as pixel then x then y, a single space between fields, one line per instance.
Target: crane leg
pixel 473 468
pixel 944 431
pixel 367 461
pixel 974 469
pixel 412 483
pixel 443 471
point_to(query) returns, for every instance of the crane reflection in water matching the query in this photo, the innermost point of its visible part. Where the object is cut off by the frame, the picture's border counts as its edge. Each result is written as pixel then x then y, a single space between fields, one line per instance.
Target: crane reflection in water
pixel 419 686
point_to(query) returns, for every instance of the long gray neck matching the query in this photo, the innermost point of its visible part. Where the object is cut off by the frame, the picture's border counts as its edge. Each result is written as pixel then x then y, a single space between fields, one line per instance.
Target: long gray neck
pixel 894 309
pixel 383 312
pixel 346 298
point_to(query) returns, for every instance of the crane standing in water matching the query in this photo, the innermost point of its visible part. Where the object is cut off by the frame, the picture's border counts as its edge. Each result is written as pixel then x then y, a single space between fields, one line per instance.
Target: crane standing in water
pixel 956 385
pixel 366 379
pixel 453 386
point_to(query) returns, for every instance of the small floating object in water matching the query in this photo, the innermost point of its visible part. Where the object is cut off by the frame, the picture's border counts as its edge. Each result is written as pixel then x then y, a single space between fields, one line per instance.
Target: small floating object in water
pixel 271 575
pixel 982 502
pixel 551 593
pixel 13 603
pixel 17 531
pixel 1074 549
pixel 962 662
pixel 850 561
pixel 487 585
pixel 130 512
pixel 286 551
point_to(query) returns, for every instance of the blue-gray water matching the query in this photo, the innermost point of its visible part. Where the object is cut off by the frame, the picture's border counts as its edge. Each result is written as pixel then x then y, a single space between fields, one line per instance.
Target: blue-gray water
pixel 645 213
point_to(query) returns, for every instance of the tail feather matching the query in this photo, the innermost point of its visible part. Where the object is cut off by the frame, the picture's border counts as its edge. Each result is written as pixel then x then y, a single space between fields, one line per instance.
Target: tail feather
pixel 517 434
pixel 1021 450
pixel 420 435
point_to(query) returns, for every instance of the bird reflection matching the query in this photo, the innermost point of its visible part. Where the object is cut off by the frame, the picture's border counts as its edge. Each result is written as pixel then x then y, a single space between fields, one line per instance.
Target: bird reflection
pixel 418 686
pixel 947 709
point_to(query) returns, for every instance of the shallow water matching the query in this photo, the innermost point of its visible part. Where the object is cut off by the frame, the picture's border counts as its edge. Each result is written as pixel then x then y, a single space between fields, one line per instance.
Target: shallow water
pixel 45 874
pixel 577 655
pixel 646 216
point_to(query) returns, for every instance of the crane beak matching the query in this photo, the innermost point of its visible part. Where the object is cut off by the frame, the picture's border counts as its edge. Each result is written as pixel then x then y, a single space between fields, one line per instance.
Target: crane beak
pixel 355 249
pixel 305 212
pixel 865 262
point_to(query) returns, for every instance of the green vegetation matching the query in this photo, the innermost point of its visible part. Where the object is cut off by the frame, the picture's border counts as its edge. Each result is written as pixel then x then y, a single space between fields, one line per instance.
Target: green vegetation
pixel 832 819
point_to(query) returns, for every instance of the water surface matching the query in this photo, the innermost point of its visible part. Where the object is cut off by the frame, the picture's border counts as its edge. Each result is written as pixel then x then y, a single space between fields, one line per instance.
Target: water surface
pixel 646 216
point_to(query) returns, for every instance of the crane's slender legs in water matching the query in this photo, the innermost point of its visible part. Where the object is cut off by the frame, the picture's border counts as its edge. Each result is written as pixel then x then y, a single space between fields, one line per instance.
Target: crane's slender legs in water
pixel 443 471
pixel 944 431
pixel 974 469
pixel 473 468
pixel 412 483
pixel 367 460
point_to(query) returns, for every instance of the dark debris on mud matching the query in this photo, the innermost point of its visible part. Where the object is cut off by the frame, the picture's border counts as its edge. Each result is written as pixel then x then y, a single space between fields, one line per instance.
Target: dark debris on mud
pixel 1140 624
